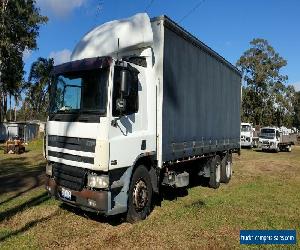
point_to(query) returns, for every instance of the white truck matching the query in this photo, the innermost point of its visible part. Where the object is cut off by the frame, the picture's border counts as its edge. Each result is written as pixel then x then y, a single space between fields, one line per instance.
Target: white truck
pixel 246 135
pixel 139 101
pixel 271 139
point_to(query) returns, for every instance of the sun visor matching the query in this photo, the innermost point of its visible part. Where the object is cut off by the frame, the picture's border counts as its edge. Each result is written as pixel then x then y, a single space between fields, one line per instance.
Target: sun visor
pixel 133 32
pixel 82 65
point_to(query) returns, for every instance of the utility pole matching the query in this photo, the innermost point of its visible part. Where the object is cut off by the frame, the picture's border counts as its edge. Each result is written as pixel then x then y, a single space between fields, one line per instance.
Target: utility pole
pixel 10 107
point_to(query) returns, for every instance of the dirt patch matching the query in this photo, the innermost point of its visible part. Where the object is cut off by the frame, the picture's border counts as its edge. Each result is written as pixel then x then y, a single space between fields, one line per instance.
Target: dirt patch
pixel 21 173
pixel 22 182
pixel 257 163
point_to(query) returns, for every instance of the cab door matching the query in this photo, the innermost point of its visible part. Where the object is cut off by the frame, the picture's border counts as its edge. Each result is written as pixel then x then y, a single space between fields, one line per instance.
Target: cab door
pixel 128 131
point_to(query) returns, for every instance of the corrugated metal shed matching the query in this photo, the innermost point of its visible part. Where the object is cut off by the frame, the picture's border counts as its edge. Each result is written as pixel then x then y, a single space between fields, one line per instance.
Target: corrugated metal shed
pixel 26 130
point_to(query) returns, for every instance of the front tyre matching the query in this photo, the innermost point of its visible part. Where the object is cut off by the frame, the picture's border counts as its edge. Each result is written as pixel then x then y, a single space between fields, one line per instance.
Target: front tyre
pixel 139 195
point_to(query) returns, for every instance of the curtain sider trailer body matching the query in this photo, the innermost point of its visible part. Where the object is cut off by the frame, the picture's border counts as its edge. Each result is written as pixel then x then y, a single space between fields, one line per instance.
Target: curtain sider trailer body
pixel 139 101
pixel 201 97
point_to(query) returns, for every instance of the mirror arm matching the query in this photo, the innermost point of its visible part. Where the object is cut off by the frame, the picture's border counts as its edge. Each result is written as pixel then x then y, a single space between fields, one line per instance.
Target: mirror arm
pixel 114 122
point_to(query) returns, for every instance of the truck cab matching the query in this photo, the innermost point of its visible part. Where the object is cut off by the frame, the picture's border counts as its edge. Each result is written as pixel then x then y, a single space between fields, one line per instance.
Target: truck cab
pixel 246 135
pixel 271 139
pixel 102 119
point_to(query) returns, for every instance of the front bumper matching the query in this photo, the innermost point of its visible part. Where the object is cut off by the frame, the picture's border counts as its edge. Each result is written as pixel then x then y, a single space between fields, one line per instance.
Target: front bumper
pixel 86 199
pixel 245 144
pixel 267 146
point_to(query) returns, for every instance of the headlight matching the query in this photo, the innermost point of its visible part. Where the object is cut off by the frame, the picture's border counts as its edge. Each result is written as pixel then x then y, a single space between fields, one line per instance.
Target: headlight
pixel 271 143
pixel 49 169
pixel 97 181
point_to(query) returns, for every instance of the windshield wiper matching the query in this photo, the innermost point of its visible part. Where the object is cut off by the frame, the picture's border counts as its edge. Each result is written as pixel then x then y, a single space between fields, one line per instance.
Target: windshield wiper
pixel 65 108
pixel 67 111
pixel 87 111
pixel 79 112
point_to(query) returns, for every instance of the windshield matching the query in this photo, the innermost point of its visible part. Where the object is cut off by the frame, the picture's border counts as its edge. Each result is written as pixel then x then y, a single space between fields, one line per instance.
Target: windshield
pixel 267 133
pixel 83 92
pixel 245 128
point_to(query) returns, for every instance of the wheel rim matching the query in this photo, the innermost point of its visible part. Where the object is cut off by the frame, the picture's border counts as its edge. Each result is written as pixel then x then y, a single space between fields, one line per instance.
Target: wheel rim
pixel 140 195
pixel 228 169
pixel 218 172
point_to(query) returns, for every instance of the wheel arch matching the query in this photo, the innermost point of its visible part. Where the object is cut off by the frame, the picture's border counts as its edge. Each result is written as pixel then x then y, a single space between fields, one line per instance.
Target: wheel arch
pixel 149 161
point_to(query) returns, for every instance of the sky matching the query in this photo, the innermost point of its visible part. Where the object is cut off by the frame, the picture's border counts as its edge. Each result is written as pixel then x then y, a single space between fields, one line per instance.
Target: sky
pixel 227 26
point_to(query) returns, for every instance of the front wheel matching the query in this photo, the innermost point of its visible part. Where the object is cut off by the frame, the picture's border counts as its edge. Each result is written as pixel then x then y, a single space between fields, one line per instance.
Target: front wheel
pixel 139 195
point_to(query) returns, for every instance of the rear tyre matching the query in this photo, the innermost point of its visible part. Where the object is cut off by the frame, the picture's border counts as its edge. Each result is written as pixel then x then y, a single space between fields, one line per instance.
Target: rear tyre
pixel 226 168
pixel 215 172
pixel 139 195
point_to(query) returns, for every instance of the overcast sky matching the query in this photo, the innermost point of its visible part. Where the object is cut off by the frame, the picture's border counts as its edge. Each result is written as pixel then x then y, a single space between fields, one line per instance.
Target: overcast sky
pixel 226 26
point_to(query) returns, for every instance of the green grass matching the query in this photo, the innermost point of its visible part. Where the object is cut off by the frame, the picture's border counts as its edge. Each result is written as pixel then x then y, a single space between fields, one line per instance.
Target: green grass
pixel 264 193
pixel 14 163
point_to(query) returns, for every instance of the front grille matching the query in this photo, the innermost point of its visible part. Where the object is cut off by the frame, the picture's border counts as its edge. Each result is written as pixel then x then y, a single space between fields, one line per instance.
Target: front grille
pixel 70 157
pixel 72 143
pixel 69 177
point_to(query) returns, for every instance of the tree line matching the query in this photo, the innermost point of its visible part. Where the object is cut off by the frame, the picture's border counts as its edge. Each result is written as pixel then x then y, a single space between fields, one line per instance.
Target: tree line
pixel 19 28
pixel 266 97
pixel 267 100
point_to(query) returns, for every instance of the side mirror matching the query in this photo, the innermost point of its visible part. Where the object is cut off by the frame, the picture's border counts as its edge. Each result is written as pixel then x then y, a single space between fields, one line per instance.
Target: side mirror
pixel 124 88
pixel 125 82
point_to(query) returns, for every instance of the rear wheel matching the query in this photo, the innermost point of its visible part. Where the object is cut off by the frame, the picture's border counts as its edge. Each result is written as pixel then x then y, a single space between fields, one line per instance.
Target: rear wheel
pixel 215 172
pixel 226 168
pixel 139 195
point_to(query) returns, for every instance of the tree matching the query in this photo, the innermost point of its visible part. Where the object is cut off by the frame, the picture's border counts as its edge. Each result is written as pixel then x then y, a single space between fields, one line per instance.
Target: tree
pixel 296 118
pixel 37 88
pixel 19 28
pixel 283 97
pixel 266 98
pixel 12 82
